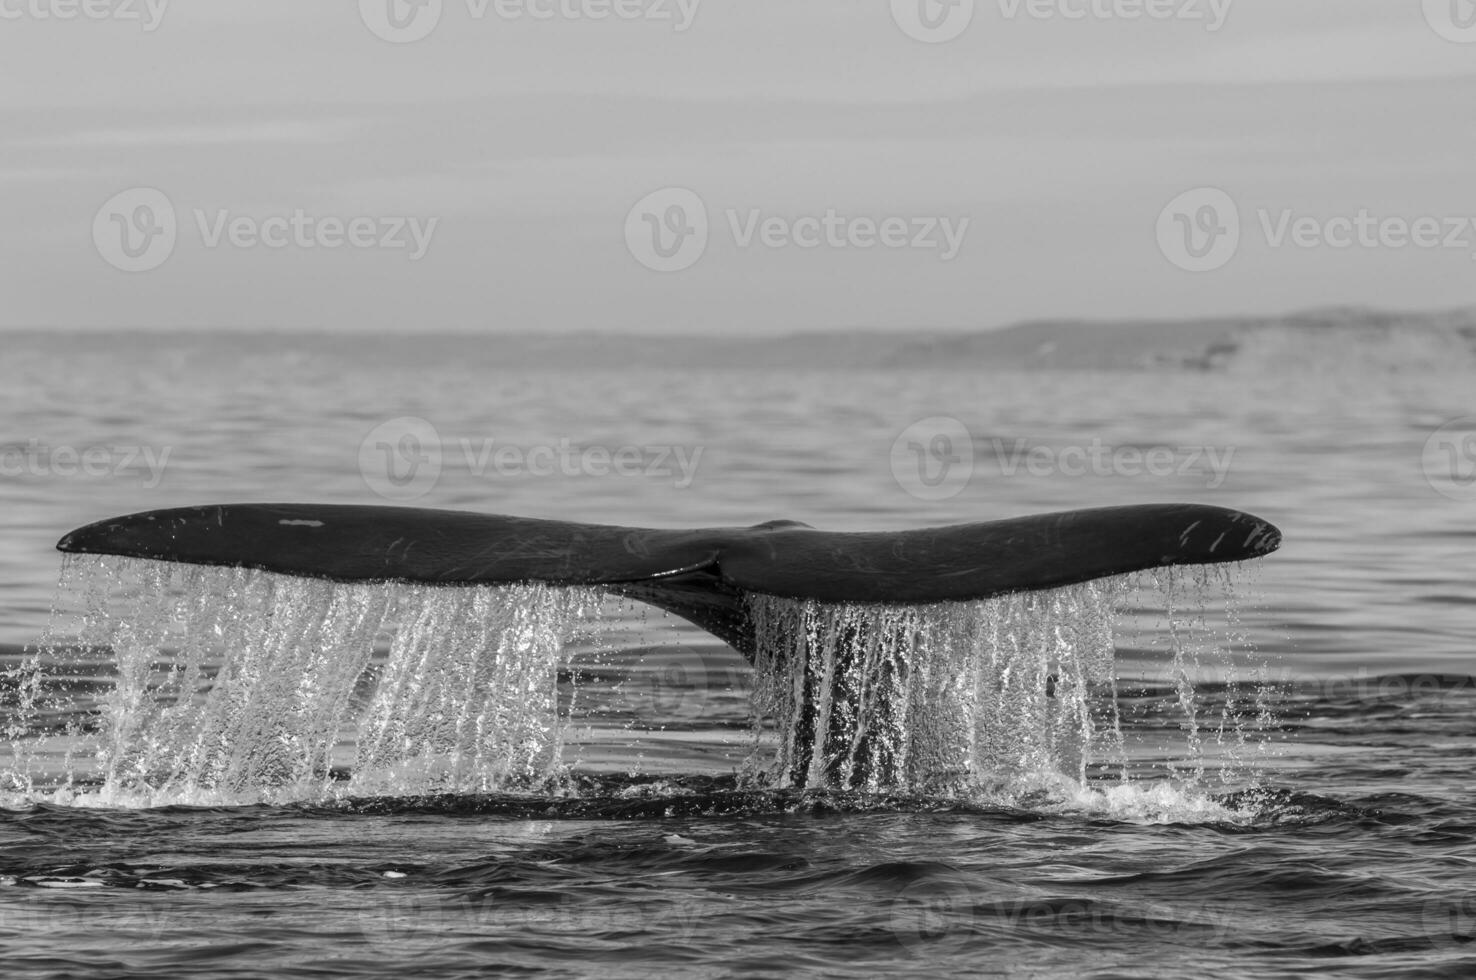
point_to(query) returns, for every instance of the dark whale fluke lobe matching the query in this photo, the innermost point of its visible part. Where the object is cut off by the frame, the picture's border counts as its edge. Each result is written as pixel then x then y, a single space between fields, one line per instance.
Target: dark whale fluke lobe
pixel 701 575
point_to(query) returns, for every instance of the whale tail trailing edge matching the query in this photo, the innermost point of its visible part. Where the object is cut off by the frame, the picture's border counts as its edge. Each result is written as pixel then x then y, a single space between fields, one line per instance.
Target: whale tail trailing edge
pixel 700 575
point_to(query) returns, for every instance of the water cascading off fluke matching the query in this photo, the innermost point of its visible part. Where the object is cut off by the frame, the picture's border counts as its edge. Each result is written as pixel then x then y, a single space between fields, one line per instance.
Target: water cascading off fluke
pixel 934 699
pixel 289 650
pixel 239 685
pixel 235 685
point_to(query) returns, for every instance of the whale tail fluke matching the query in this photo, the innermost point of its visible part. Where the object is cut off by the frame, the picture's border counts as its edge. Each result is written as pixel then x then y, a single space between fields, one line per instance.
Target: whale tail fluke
pixel 700 575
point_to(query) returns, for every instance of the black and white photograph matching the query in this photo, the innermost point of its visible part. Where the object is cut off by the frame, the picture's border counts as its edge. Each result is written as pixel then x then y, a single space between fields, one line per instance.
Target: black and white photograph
pixel 832 489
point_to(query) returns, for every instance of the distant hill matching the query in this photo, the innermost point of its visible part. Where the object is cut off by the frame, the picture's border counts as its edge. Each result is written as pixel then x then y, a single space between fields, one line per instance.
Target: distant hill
pixel 1323 340
pixel 1313 339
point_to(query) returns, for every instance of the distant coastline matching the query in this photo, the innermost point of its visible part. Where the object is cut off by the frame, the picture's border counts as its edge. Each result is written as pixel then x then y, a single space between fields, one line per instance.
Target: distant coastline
pixel 1321 339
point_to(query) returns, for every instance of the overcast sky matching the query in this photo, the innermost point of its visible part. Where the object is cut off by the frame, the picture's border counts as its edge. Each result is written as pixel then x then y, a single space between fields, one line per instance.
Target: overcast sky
pixel 712 166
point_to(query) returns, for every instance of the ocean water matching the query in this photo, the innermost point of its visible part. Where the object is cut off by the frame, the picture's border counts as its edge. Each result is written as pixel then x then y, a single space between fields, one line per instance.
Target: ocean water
pixel 1279 780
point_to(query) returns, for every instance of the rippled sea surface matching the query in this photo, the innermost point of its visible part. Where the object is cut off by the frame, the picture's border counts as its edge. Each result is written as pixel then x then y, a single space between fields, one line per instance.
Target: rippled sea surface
pixel 1342 844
